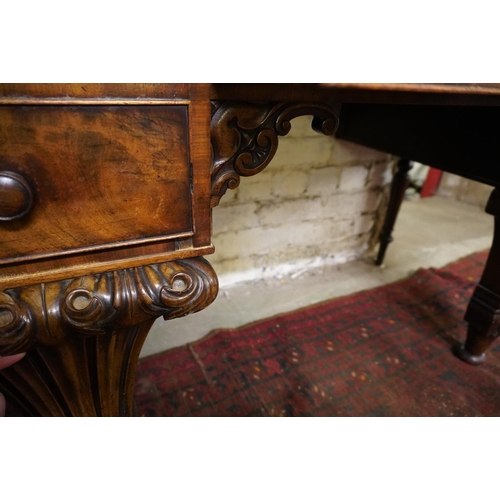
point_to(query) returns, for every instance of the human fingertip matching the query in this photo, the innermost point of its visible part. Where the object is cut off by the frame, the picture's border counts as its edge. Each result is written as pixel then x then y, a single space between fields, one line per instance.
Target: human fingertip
pixel 6 361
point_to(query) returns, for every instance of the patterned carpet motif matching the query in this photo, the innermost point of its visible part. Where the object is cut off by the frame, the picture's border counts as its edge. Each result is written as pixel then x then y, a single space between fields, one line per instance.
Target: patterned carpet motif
pixel 382 352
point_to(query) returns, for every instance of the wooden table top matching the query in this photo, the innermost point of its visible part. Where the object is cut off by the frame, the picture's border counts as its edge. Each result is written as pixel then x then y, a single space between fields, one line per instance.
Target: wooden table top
pixel 487 94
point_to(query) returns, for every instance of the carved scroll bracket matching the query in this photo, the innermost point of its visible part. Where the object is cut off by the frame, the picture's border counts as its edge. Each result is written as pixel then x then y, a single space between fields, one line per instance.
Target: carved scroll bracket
pixel 245 137
pixel 43 315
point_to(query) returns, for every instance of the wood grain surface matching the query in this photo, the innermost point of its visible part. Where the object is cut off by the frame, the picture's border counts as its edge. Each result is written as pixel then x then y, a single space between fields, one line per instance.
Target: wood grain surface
pixel 103 176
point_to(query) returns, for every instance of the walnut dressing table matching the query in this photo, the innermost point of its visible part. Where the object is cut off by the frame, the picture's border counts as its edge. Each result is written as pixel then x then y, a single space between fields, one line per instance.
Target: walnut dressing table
pixel 106 194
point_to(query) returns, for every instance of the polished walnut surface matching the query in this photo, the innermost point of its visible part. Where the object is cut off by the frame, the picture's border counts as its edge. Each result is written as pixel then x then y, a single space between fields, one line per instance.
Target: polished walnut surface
pixel 104 167
pixel 112 183
pixel 106 192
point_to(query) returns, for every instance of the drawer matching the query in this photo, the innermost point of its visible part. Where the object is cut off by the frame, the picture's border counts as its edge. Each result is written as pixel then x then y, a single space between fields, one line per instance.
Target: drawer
pixel 93 177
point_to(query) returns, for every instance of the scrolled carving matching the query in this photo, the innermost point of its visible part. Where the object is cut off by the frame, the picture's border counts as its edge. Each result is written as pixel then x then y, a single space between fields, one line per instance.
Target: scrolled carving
pixel 15 325
pixel 84 335
pixel 89 309
pixel 132 296
pixel 97 304
pixel 178 289
pixel 245 137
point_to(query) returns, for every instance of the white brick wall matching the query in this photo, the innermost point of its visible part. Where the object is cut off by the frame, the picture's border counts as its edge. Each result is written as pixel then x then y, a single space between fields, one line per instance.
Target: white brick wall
pixel 316 201
pixel 462 189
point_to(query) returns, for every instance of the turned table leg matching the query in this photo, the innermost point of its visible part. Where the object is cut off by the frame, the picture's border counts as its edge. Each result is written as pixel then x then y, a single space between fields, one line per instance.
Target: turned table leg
pixel 400 183
pixel 483 312
pixel 84 335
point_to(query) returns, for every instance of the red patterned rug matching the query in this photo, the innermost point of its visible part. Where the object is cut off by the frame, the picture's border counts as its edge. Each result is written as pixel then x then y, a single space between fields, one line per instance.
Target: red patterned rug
pixel 381 352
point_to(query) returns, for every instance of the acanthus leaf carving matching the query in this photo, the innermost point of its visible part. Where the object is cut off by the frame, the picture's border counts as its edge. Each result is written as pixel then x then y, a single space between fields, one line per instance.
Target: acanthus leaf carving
pixel 96 304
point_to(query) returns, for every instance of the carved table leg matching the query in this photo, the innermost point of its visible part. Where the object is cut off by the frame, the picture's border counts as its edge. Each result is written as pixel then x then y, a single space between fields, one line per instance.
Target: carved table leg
pixel 84 335
pixel 91 376
pixel 483 312
pixel 400 183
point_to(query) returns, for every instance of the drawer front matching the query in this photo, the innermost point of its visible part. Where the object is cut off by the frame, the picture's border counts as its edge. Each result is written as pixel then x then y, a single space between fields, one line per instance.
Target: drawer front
pixel 81 178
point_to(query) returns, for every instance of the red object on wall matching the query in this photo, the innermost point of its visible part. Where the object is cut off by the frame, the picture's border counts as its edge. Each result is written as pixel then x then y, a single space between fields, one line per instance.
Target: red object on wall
pixel 431 182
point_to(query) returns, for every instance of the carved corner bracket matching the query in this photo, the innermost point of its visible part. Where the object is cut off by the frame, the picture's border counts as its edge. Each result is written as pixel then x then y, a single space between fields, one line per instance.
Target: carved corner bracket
pixel 245 137
pixel 43 315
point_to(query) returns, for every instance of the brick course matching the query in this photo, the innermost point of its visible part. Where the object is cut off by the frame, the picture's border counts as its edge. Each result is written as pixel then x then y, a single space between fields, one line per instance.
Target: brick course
pixel 319 197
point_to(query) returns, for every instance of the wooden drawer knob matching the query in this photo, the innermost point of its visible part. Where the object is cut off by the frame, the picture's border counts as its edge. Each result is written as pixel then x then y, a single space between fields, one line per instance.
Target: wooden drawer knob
pixel 16 197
